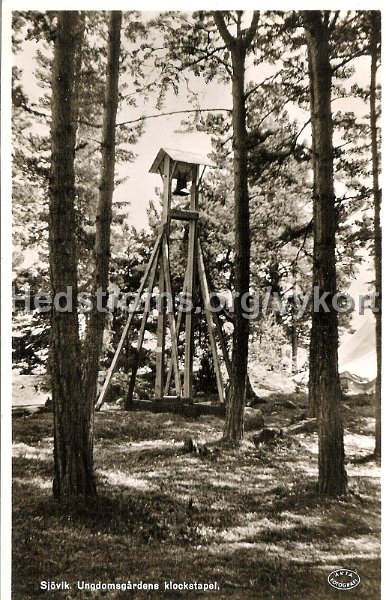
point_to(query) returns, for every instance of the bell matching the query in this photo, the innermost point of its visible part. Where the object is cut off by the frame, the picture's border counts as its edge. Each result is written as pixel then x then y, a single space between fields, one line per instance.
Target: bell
pixel 181 186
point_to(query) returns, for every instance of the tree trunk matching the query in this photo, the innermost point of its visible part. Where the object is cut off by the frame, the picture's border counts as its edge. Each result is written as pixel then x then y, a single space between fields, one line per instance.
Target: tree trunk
pixel 324 332
pixel 73 467
pixel 294 348
pixel 95 331
pixel 313 389
pixel 233 430
pixel 375 38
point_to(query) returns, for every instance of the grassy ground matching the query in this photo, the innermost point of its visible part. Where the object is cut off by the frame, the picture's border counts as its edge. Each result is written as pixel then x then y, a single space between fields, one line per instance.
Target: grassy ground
pixel 248 518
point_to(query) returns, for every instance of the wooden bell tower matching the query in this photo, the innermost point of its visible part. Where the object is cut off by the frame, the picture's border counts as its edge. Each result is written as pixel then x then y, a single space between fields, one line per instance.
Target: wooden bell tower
pixel 185 169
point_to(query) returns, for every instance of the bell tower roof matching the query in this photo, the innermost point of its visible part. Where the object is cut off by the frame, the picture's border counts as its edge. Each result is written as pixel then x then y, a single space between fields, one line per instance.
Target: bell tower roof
pixel 179 156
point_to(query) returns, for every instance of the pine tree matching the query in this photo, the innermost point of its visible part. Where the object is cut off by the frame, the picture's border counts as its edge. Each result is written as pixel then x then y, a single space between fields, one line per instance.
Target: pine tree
pixel 73 476
pixel 96 325
pixel 375 37
pixel 238 46
pixel 325 383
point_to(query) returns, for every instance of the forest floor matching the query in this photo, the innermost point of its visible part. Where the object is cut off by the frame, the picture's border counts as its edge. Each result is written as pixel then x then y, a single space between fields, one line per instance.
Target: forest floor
pixel 248 519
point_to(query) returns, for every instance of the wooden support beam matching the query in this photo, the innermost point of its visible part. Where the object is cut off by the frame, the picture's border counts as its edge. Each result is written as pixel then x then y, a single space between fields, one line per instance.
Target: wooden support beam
pixel 119 349
pixel 209 319
pixel 167 180
pixel 188 386
pixel 161 330
pixel 178 327
pixel 170 310
pixel 130 392
pixel 221 338
pixel 168 169
pixel 184 215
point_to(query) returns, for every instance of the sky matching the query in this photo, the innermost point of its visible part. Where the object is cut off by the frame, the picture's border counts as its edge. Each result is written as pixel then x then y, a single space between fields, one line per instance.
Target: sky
pixel 163 132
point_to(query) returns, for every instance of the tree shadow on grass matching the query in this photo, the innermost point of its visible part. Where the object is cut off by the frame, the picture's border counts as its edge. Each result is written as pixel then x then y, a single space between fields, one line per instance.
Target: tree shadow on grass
pixel 27 467
pixel 33 429
pixel 153 536
pixel 362 460
pixel 144 516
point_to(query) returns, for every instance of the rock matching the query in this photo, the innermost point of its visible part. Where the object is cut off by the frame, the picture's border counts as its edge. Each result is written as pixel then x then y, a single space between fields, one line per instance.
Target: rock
pixel 102 377
pixel 253 419
pixel 300 417
pixel 48 402
pixel 256 401
pixel 307 426
pixel 269 435
pixel 26 411
pixel 288 404
pixel 211 453
pixel 190 445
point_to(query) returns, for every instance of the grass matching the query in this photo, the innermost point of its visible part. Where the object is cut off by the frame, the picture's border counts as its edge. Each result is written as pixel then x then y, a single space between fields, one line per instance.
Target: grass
pixel 247 518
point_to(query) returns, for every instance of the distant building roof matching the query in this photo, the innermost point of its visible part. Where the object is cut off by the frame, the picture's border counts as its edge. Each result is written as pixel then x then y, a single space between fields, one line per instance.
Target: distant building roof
pixel 190 158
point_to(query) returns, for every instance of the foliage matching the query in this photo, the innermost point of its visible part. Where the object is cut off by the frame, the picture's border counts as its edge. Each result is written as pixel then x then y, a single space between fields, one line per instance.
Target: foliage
pixel 31 143
pixel 168 53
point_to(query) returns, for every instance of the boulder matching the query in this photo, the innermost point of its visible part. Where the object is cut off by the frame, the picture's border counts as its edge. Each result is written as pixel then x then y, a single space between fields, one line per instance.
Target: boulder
pixel 307 426
pixel 253 419
pixel 288 404
pixel 268 435
pixel 190 445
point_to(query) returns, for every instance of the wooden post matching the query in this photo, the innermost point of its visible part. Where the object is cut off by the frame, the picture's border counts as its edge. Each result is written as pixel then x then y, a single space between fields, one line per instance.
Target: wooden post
pixel 188 372
pixel 161 329
pixel 161 322
pixel 166 196
pixel 209 319
pixel 130 392
pixel 221 337
pixel 178 327
pixel 128 324
pixel 172 322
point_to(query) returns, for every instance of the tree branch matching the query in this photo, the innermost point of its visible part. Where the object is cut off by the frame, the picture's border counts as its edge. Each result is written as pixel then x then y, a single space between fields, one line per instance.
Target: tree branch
pixel 213 55
pixel 345 61
pixel 259 85
pixel 251 31
pixel 334 20
pixel 229 40
pixel 32 111
pixel 205 56
pixel 291 234
pixel 174 112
